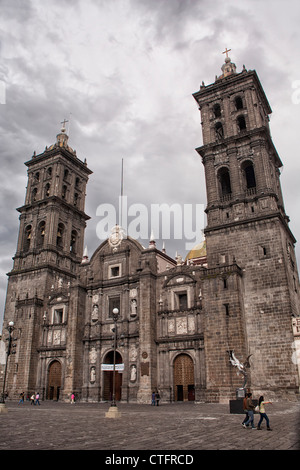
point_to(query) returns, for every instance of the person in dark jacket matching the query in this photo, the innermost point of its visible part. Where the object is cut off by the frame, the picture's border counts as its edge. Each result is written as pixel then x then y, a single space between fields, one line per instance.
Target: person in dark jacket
pixel 250 410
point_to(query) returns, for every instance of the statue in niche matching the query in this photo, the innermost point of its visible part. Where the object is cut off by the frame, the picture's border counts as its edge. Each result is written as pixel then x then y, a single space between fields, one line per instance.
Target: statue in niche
pixel 133 307
pixel 95 312
pixel 133 373
pixel 92 374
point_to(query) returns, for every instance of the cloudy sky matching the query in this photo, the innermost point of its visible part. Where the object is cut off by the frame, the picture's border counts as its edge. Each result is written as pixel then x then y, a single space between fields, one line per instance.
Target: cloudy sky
pixel 123 73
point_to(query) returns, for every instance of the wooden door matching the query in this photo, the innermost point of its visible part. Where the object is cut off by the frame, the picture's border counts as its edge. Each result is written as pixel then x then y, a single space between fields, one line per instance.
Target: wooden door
pixel 108 379
pixel 184 378
pixel 54 381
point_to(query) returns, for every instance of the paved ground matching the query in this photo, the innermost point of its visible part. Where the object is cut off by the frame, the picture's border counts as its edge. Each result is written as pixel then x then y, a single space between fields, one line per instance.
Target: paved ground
pixel 178 427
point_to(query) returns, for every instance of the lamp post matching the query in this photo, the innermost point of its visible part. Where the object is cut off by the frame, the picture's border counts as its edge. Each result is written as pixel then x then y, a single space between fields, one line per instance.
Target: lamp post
pixel 115 317
pixel 10 329
pixel 113 411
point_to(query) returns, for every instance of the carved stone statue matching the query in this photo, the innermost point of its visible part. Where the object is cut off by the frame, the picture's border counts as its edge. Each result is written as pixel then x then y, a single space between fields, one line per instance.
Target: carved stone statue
pixel 133 373
pixel 240 366
pixel 95 312
pixel 92 374
pixel 133 307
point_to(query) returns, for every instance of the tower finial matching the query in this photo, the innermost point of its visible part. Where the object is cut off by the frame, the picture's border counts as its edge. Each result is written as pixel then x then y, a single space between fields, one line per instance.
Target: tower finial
pixel 62 138
pixel 229 67
pixel 152 243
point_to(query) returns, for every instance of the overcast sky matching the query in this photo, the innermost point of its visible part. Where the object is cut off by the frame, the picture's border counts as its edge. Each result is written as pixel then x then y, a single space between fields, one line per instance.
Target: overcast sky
pixel 123 73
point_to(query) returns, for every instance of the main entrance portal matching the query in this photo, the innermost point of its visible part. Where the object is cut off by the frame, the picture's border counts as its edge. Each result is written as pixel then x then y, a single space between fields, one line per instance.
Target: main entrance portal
pixel 184 386
pixel 54 381
pixel 108 378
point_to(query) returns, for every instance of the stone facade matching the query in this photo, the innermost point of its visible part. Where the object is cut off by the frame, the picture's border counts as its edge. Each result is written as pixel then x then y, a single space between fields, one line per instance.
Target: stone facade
pixel 179 323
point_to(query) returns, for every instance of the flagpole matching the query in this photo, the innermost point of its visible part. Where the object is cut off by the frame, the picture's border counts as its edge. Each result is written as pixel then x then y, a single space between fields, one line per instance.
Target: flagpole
pixel 122 189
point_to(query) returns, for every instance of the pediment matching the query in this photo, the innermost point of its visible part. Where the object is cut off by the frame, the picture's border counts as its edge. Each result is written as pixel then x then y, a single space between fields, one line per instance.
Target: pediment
pixel 58 299
pixel 179 279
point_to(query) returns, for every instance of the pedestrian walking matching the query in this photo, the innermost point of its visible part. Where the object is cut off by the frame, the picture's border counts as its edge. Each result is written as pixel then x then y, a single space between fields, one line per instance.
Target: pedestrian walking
pixel 21 401
pixel 37 399
pixel 245 409
pixel 263 414
pixel 72 398
pixel 250 410
pixel 32 399
pixel 157 397
pixel 153 399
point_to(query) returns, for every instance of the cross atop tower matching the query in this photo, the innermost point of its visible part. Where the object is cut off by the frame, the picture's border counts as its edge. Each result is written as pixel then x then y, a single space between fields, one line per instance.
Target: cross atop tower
pixel 64 123
pixel 226 51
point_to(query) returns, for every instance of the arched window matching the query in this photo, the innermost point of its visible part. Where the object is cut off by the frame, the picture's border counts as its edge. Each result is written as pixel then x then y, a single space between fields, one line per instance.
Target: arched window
pixel 249 175
pixel 219 131
pixel 73 242
pixel 34 194
pixel 60 235
pixel 40 234
pixel 64 191
pixel 238 103
pixel 27 238
pixel 224 181
pixel 47 190
pixel 217 110
pixel 241 122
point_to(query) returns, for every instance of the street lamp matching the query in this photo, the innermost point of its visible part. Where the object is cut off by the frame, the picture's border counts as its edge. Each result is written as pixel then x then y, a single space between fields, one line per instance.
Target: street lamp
pixel 10 329
pixel 115 317
pixel 113 411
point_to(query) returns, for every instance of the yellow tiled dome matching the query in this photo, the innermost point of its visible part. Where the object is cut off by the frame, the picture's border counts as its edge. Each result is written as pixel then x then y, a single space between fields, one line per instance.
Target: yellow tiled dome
pixel 199 251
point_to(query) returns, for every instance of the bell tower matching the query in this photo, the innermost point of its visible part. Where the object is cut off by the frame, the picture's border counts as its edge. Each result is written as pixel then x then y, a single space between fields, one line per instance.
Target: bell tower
pixel 246 221
pixel 52 220
pixel 242 167
pixel 49 252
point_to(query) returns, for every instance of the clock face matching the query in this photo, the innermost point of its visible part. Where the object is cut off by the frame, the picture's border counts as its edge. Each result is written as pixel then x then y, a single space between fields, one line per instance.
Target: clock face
pixel 116 236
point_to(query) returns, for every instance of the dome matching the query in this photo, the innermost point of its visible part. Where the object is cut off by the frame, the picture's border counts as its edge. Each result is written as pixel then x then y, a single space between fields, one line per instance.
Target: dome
pixel 197 253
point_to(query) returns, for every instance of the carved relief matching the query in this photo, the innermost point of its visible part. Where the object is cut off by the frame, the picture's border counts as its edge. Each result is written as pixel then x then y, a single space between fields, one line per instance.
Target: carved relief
pixel 191 325
pixel 171 325
pixel 93 356
pixel 181 326
pixel 133 354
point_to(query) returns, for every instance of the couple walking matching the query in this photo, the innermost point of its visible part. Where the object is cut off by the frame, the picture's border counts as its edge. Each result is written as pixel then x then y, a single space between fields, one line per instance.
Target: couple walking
pixel 249 409
pixel 35 399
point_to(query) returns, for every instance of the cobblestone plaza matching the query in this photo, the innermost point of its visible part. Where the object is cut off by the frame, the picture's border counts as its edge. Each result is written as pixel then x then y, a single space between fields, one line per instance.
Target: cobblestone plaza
pixel 184 427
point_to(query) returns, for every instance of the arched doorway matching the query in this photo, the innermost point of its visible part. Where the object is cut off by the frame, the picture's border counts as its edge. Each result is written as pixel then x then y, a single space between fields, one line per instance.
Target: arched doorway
pixel 54 381
pixel 108 378
pixel 184 386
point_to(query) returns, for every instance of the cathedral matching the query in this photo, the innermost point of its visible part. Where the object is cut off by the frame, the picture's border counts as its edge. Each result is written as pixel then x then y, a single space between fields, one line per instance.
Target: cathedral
pixel 131 320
